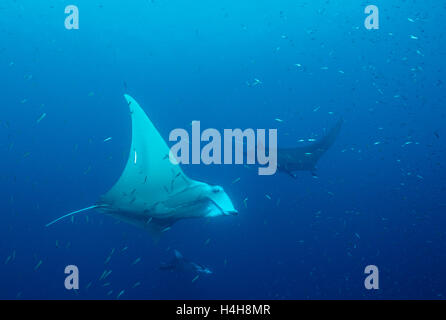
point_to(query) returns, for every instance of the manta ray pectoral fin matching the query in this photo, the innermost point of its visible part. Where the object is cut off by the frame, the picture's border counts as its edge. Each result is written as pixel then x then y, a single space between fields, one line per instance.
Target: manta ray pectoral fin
pixel 148 171
pixel 72 213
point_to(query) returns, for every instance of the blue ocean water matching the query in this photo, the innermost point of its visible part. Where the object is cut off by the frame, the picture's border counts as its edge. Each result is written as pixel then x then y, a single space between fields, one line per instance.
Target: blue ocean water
pixel 378 198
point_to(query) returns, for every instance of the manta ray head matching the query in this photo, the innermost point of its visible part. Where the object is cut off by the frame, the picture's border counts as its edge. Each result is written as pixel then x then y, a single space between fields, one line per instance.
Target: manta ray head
pixel 221 201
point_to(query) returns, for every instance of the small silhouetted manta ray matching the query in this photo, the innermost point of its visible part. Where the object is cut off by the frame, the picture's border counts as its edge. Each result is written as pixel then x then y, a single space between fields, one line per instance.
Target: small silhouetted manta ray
pixel 290 160
pixel 153 192
pixel 179 263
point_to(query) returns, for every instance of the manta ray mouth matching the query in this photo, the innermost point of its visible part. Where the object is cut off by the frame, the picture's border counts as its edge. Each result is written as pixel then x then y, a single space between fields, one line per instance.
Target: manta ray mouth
pixel 228 212
pixel 232 212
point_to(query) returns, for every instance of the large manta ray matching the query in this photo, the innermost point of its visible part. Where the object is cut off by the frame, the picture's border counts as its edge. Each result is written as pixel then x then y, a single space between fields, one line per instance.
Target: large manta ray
pixel 290 160
pixel 152 192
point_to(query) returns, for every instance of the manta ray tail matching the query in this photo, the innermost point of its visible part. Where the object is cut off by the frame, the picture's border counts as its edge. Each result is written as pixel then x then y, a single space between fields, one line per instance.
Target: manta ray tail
pixel 72 213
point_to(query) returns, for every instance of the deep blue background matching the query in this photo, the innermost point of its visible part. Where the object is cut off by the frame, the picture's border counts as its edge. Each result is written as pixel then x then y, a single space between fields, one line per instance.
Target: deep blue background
pixel 381 204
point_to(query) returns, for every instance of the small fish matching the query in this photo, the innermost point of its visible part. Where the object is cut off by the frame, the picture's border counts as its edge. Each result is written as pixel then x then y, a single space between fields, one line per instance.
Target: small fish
pixel 236 180
pixel 107 139
pixel 137 284
pixel 103 274
pixel 38 265
pixel 107 273
pixel 195 278
pixel 136 261
pixel 256 82
pixel 120 294
pixel 245 202
pixel 41 117
pixel 278 120
pixel 268 197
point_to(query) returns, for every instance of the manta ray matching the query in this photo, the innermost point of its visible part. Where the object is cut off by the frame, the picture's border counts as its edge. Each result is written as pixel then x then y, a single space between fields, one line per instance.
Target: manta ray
pixel 153 192
pixel 179 263
pixel 290 160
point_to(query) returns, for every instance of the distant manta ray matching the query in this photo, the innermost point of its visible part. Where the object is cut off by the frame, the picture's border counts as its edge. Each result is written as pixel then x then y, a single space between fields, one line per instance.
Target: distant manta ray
pixel 152 192
pixel 179 263
pixel 290 160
